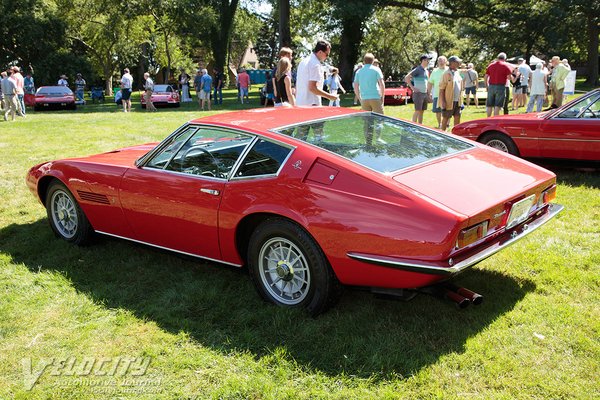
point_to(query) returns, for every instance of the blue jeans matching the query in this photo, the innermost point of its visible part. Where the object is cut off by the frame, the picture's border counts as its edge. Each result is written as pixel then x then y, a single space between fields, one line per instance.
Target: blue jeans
pixel 220 93
pixel 79 94
pixel 21 103
pixel 538 100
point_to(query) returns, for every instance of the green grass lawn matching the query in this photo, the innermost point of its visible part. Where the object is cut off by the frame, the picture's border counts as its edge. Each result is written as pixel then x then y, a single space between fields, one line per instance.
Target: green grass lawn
pixel 206 333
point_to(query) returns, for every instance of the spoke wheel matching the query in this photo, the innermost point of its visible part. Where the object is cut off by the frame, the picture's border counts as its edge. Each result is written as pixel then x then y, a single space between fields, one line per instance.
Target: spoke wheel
pixel 498 144
pixel 66 218
pixel 284 271
pixel 64 215
pixel 288 267
pixel 500 141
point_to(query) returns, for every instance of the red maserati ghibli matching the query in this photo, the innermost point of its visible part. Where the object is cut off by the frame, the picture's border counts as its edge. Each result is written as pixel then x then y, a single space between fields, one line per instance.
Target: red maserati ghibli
pixel 568 132
pixel 306 198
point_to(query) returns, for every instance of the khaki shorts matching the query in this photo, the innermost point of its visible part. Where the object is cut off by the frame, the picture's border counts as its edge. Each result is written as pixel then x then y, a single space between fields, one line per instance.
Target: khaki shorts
pixel 202 95
pixel 375 105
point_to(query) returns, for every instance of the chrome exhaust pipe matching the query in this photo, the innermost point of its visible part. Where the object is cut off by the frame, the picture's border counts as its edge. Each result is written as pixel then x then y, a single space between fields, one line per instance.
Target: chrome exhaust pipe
pixel 460 300
pixel 473 297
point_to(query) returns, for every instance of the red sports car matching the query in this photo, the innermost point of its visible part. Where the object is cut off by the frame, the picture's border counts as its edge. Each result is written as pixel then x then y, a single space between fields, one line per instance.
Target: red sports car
pixel 396 93
pixel 568 132
pixel 163 95
pixel 48 97
pixel 307 198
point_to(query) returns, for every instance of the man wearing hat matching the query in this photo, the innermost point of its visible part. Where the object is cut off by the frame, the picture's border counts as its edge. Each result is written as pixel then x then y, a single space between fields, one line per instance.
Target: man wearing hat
pixel 451 88
pixel 417 81
pixel 63 81
pixel 80 88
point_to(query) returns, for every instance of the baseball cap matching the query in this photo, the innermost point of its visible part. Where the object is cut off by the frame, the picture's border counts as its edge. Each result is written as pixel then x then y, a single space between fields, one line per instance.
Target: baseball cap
pixel 454 59
pixel 520 59
pixel 425 57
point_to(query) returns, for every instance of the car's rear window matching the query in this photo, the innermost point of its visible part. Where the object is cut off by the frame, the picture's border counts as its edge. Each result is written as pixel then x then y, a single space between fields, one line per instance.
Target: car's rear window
pixel 381 143
pixel 163 88
pixel 54 90
pixel 394 84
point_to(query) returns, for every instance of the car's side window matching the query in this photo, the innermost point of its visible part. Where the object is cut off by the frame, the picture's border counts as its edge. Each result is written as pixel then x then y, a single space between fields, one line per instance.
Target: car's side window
pixel 265 158
pixel 210 152
pixel 161 159
pixel 582 109
pixel 593 111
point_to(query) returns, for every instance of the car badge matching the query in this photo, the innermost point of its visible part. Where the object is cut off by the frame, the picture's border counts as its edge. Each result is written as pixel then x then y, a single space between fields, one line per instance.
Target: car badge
pixel 298 164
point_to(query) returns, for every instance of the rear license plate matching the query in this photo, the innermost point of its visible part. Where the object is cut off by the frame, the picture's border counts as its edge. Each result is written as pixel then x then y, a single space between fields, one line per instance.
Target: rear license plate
pixel 519 211
pixel 63 104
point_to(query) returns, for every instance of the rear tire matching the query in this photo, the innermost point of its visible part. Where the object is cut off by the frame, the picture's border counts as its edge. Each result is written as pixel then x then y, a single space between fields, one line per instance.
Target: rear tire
pixel 289 269
pixel 500 141
pixel 66 218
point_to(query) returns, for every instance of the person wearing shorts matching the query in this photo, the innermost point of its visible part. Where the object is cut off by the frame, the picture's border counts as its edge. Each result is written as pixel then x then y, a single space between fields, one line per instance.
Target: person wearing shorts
pixel 433 87
pixel 496 76
pixel 451 88
pixel 417 81
pixel 126 85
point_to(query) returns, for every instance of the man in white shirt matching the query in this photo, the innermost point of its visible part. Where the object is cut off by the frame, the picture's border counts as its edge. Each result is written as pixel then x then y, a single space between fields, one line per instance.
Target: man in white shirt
pixel 126 86
pixel 310 77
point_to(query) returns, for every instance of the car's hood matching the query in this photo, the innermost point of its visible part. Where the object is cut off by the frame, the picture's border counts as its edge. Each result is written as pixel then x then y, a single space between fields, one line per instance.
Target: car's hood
pixel 125 157
pixel 475 180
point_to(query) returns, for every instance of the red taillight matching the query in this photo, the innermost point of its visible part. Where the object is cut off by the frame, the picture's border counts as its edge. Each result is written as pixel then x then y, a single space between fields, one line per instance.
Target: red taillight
pixel 174 96
pixel 472 234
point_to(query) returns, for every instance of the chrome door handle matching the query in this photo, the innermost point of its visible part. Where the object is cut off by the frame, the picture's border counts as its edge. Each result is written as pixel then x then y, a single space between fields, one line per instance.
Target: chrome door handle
pixel 214 192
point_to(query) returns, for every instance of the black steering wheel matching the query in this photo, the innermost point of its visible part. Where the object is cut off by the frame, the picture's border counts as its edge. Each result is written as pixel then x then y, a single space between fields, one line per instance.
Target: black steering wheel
pixel 214 172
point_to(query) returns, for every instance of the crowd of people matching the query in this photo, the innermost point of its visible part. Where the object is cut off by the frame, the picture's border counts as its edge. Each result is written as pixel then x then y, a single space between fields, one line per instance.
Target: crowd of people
pixel 449 86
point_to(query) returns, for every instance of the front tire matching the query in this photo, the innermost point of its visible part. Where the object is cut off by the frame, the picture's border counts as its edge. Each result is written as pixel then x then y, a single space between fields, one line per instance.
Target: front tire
pixel 66 218
pixel 289 269
pixel 500 142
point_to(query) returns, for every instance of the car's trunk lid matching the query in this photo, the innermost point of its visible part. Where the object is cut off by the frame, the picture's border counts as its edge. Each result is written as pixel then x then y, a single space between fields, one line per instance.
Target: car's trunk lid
pixel 475 180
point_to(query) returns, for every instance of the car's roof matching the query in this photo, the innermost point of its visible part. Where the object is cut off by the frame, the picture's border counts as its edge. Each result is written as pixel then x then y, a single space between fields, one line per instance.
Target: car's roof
pixel 266 119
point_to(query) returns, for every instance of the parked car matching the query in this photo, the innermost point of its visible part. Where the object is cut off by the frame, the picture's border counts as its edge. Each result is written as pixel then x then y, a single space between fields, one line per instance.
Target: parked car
pixel 568 132
pixel 163 95
pixel 306 199
pixel 52 97
pixel 396 93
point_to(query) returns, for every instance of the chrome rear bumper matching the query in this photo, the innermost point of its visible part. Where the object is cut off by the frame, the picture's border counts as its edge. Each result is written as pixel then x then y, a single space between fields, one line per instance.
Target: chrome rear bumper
pixel 452 268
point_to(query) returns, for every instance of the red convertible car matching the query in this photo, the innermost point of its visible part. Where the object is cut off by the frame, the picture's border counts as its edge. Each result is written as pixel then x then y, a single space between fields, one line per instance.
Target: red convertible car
pixel 568 132
pixel 396 93
pixel 48 97
pixel 307 198
pixel 163 95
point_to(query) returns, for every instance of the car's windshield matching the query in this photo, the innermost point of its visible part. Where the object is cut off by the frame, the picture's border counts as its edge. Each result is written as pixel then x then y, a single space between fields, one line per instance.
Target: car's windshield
pixel 54 90
pixel 163 88
pixel 588 107
pixel 394 84
pixel 377 142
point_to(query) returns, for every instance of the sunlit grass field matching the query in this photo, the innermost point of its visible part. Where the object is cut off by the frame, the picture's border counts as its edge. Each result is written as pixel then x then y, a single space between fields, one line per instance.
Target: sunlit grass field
pixel 207 334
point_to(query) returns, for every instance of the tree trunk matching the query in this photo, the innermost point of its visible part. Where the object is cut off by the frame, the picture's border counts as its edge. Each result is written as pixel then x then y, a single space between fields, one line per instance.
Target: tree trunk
pixel 592 61
pixel 285 36
pixel 167 74
pixel 108 78
pixel 221 34
pixel 352 36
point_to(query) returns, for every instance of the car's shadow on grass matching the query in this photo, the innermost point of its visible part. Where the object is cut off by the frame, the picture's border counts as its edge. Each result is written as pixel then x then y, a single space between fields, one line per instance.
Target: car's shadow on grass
pixel 362 335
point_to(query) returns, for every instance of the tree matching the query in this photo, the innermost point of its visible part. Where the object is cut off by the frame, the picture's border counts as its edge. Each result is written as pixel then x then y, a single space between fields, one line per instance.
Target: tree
pixel 109 30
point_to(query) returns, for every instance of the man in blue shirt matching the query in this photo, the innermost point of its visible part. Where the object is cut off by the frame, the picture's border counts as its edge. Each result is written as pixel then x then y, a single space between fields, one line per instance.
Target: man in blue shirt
pixel 370 90
pixel 417 81
pixel 205 86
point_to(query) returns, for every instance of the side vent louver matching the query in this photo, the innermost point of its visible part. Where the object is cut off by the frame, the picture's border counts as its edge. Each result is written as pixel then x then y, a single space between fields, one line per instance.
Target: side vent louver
pixel 93 197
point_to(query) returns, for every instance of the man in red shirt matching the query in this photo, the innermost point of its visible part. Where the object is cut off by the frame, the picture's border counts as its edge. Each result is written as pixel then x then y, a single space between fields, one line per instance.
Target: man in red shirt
pixel 496 75
pixel 244 82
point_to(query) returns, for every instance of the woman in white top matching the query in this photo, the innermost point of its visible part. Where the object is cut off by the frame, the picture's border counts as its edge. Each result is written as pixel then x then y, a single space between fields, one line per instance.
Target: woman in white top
pixel 184 81
pixel 539 85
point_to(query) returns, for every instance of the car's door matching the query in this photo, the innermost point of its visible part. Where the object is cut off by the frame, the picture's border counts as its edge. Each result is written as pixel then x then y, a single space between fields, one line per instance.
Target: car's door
pixel 574 133
pixel 172 200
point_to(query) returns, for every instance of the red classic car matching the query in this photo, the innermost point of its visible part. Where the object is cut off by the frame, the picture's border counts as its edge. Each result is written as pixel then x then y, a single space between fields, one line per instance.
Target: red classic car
pixel 568 132
pixel 396 93
pixel 307 198
pixel 163 95
pixel 48 97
